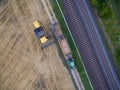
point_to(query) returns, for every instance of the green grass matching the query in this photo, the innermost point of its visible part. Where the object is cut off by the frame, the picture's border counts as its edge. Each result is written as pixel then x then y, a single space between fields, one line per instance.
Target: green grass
pixel 115 28
pixel 116 8
pixel 111 20
pixel 67 35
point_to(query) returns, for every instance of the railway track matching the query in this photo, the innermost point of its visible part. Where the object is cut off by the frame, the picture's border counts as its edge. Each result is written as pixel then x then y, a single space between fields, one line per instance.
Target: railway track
pixel 87 38
pixel 96 41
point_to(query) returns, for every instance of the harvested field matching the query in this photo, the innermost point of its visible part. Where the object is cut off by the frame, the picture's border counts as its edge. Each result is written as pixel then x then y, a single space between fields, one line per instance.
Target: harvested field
pixel 23 65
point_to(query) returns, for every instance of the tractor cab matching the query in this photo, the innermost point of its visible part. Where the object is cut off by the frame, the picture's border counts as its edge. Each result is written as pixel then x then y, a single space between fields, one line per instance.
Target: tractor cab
pixel 71 63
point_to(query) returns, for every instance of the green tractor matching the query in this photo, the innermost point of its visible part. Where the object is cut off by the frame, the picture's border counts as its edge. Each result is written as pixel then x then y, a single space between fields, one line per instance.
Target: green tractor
pixel 71 63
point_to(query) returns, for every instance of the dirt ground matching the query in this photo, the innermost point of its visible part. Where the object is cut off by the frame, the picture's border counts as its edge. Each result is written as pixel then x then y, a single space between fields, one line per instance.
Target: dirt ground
pixel 23 65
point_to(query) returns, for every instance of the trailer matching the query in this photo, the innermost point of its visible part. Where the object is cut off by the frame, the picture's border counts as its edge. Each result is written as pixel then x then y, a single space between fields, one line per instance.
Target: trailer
pixel 65 48
pixel 62 41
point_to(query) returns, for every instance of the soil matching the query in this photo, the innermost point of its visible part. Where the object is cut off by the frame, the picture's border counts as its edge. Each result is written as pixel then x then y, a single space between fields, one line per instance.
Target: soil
pixel 23 64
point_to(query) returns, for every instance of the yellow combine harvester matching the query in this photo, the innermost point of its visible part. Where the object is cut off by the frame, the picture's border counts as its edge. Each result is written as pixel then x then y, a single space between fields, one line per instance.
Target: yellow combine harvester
pixel 41 34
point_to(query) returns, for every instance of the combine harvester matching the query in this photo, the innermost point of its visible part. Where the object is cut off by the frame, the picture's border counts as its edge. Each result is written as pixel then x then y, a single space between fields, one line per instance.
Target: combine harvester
pixel 58 34
pixel 44 38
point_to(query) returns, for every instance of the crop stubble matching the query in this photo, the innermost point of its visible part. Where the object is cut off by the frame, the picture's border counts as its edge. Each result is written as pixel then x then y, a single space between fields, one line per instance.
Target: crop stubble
pixel 23 65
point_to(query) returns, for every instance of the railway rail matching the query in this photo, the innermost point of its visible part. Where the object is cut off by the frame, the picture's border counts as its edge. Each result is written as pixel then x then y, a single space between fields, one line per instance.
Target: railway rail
pixel 98 46
pixel 90 44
